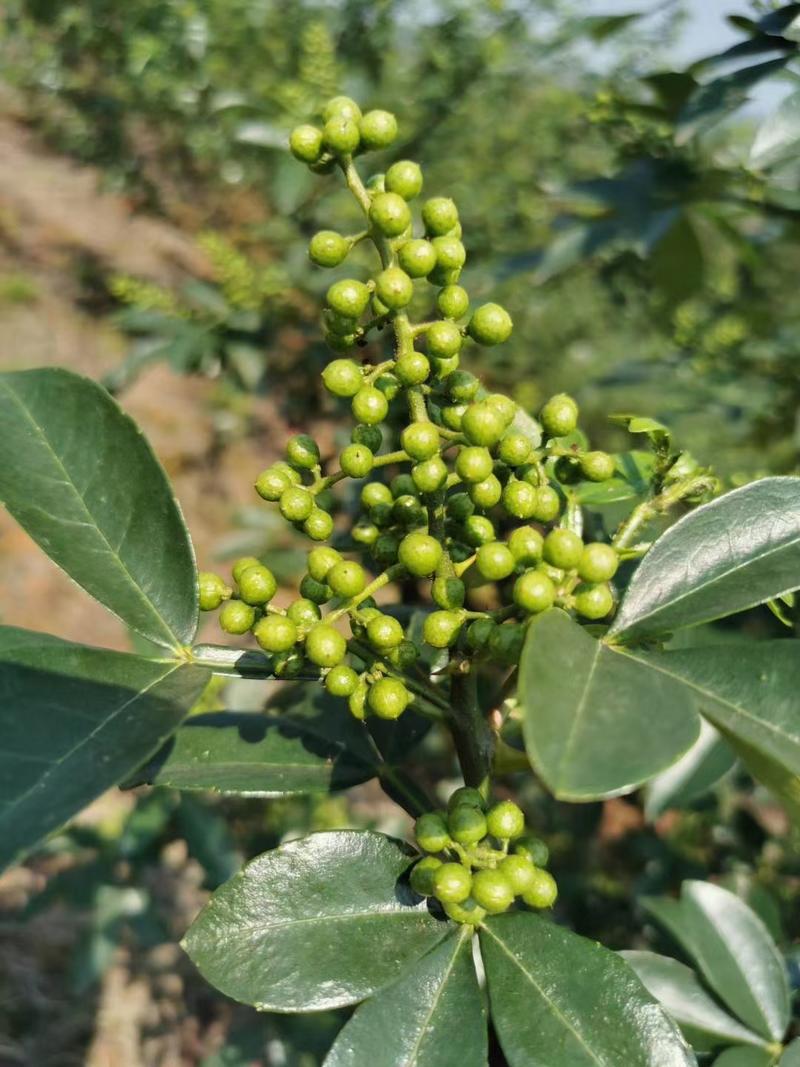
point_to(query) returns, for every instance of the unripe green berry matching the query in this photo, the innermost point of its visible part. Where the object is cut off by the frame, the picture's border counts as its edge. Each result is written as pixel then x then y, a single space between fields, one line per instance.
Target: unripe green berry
pixel 503 405
pixel 389 214
pixel 275 633
pixel 492 891
pixel 356 461
pixel 375 493
pixel 404 656
pixel 430 474
pixel 241 565
pixel 320 561
pixel 441 628
pixel 402 485
pixel 519 872
pixel 534 592
pixel 342 377
pixel 431 832
pixel 452 302
pixel 505 643
pixel 341 107
pixel 378 129
pixel 478 530
pixel 450 253
pixel 563 549
pixel 526 544
pixel 257 585
pixel 303 613
pixel 328 248
pixel 519 499
pixel 412 368
pixel 404 178
pixel 394 288
pixel 357 701
pixel 453 415
pixel 408 511
pixel 305 143
pixel 236 617
pixel 548 504
pixel 598 562
pixel 479 634
pixel 467 825
pixel 444 339
pixel 388 698
pixel 346 578
pixel 444 367
pixel 420 440
pixel 448 593
pixel 384 632
pixel 495 561
pixel 444 276
pixel 460 507
pixel 212 590
pixel 365 533
pixel 487 493
pixel 482 425
pixel 417 257
pixel 370 405
pixel 319 525
pixel 348 297
pixel 296 503
pixel 439 214
pixel 271 484
pixel 533 849
pixel 341 135
pixel 341 680
pixel 467 912
pixel 597 466
pixel 420 554
pixel 490 325
pixel 421 877
pixel 543 892
pixel 465 796
pixel 451 883
pixel 325 646
pixel 505 820
pixel 515 449
pixel 594 601
pixel 302 451
pixel 559 416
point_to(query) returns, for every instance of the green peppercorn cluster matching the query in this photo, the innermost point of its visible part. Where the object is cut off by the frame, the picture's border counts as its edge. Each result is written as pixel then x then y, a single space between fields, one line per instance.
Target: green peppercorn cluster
pixel 479 862
pixel 460 490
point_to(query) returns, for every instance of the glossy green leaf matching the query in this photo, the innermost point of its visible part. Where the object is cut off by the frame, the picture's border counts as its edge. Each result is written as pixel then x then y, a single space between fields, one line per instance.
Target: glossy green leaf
pixel 680 993
pixel 310 745
pixel 713 100
pixel 596 722
pixel 78 475
pixel 740 550
pixel 558 1000
pixel 76 721
pixel 772 773
pixel 669 913
pixel 744 1057
pixel 737 957
pixel 317 923
pixel 433 1016
pixel 791 1056
pixel 778 137
pixel 696 773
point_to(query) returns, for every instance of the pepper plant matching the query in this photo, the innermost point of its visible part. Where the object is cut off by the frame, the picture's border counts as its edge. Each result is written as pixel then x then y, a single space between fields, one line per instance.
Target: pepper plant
pixel 529 590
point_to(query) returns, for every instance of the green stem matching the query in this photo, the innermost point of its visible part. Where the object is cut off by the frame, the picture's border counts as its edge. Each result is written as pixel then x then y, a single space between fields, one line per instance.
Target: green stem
pixel 389 575
pixel 648 510
pixel 472 734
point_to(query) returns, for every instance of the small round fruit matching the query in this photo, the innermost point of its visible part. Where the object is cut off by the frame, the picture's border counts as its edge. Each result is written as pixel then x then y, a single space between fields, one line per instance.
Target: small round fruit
pixel 389 214
pixel 421 440
pixel 328 248
pixel 342 377
pixel 319 525
pixel 563 549
pixel 271 484
pixel 492 891
pixel 404 656
pixel 305 143
pixel 452 415
pixel 341 680
pixel 467 825
pixel 320 561
pixel 370 405
pixel 430 475
pixel 346 578
pixel 533 849
pixel 369 436
pixel 505 820
pixel 341 135
pixel 375 493
pixel 594 601
pixel 451 883
pixel 490 325
pixel 311 589
pixel 378 129
pixel 559 416
pixel 444 339
pixel 526 544
pixel 365 533
pixel 474 463
pixel 241 565
pixel 467 912
pixel 431 832
pixel 212 590
pixel 452 302
pixel 412 368
pixel 515 449
pixel 460 507
pixel 482 425
pixel 384 632
pixel 519 499
pixel 325 646
pixel 534 592
pixel 296 503
pixel 420 554
pixel 275 633
pixel 356 461
pixel 505 642
pixel 448 593
pixel 394 288
pixel 303 613
pixel 441 628
pixel 236 617
pixel 479 634
pixel 388 698
pixel 421 877
pixel 357 701
pixel 495 561
pixel 465 796
pixel 302 451
pixel 439 214
pixel 598 562
pixel 548 504
pixel 487 493
pixel 341 107
pixel 478 530
pixel 543 892
pixel 348 297
pixel 404 178
pixel 503 405
pixel 519 872
pixel 257 585
pixel 597 466
pixel 450 253
pixel 417 257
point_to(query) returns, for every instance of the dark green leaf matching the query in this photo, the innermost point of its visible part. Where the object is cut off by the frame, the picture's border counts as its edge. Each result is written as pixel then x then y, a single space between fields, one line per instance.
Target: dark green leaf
pixel 601 27
pixel 745 1057
pixel 597 723
pixel 76 721
pixel 778 137
pixel 737 957
pixel 678 990
pixel 708 760
pixel 676 261
pixel 433 1016
pixel 77 473
pixel 670 914
pixel 740 550
pixel 316 923
pixel 558 1000
pixel 714 100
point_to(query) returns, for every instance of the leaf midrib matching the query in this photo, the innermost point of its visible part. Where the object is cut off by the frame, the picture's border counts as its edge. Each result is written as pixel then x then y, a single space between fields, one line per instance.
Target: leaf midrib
pixel 459 941
pixel 68 481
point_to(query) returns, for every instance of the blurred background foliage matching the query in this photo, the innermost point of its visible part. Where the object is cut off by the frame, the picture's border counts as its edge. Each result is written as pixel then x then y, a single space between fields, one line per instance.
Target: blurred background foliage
pixel 642 226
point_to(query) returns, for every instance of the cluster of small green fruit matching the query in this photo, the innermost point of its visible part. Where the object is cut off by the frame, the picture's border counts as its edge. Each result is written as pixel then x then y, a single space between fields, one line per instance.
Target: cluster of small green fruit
pixel 470 491
pixel 479 862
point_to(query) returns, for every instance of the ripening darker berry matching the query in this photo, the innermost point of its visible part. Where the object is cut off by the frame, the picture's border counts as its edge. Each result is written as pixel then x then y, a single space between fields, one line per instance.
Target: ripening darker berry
pixel 356 461
pixel 389 214
pixel 378 129
pixel 563 549
pixel 305 143
pixel 465 795
pixel 505 643
pixel 404 178
pixel 421 877
pixel 275 633
pixel 420 554
pixel 394 288
pixel 559 416
pixel 325 646
pixel 328 248
pixel 212 590
pixel 533 849
pixel 598 562
pixel 448 593
pixel 311 589
pixel 439 214
pixel 490 325
pixel 417 257
pixel 348 297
